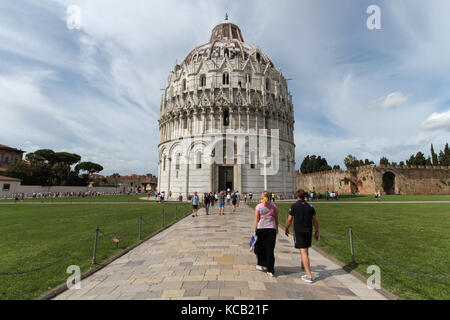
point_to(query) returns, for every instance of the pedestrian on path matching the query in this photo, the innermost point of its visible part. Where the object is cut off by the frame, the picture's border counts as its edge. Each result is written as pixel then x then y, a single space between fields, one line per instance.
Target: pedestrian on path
pixel 234 201
pixel 266 230
pixel 221 203
pixel 206 202
pixel 304 217
pixel 194 201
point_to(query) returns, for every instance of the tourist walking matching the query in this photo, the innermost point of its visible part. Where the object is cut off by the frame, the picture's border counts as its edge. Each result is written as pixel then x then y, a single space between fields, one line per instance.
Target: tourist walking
pixel 238 198
pixel 304 216
pixel 228 198
pixel 266 230
pixel 221 203
pixel 206 202
pixel 194 201
pixel 212 199
pixel 234 201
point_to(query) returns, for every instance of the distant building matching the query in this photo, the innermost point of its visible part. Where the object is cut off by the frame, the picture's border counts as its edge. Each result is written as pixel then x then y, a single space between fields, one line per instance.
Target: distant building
pixel 219 108
pixel 9 156
pixel 8 185
pixel 134 182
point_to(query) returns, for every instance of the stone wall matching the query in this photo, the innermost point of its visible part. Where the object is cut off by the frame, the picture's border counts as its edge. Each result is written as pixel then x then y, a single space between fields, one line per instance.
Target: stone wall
pixel 54 189
pixel 386 179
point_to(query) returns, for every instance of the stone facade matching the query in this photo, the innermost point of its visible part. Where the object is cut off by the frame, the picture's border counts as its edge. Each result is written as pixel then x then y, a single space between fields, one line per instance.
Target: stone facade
pixel 219 107
pixel 387 179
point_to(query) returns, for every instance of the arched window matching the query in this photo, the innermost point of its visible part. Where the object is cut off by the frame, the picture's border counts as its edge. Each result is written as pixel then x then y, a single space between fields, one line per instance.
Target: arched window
pixel 252 160
pixel 225 78
pixel 202 81
pixel 164 163
pixel 267 84
pixel 177 161
pixel 249 78
pixel 184 84
pixel 226 53
pixel 258 57
pixel 226 117
pixel 198 160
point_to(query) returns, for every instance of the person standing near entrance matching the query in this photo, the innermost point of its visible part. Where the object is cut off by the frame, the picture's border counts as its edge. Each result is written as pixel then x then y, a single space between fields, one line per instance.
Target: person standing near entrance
pixel 194 204
pixel 238 198
pixel 304 217
pixel 221 203
pixel 266 230
pixel 206 202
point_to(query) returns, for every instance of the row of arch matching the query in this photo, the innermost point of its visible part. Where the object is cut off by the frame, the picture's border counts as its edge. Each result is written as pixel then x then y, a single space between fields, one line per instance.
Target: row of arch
pixel 199 153
pixel 191 122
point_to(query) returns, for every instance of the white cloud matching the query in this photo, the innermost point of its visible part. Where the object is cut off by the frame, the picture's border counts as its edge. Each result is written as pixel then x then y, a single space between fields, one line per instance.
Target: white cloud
pixel 392 100
pixel 96 91
pixel 437 121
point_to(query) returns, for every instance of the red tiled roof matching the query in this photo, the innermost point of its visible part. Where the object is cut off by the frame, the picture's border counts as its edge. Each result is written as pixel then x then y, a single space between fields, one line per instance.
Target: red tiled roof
pixel 3 178
pixel 2 146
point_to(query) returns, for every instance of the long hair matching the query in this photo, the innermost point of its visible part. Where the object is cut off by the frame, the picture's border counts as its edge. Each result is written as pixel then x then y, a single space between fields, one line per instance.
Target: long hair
pixel 265 197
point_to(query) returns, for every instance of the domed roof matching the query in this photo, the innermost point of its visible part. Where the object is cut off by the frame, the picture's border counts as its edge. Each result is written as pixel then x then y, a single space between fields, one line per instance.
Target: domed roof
pixel 226 41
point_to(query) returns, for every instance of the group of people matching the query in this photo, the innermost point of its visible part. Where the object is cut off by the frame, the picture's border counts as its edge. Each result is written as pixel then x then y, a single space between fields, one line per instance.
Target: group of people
pixel 302 214
pixel 334 195
pixel 209 199
pixel 46 195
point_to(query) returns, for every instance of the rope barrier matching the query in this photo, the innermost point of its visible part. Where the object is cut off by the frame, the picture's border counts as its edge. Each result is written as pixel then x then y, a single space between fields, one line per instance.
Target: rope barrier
pixel 416 274
pixel 52 263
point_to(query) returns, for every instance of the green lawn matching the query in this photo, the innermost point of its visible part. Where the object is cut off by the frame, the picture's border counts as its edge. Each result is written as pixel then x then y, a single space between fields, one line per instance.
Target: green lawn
pixel 35 235
pixel 105 198
pixel 413 236
pixel 390 197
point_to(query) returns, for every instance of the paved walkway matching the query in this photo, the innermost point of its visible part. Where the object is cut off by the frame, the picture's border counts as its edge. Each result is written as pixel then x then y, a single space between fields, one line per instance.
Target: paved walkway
pixel 207 257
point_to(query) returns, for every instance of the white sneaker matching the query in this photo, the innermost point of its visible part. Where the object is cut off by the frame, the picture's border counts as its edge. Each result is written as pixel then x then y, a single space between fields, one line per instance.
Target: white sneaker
pixel 260 268
pixel 270 274
pixel 306 279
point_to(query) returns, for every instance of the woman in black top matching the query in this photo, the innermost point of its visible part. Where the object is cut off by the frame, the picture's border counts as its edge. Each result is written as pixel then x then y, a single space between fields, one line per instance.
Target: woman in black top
pixel 206 202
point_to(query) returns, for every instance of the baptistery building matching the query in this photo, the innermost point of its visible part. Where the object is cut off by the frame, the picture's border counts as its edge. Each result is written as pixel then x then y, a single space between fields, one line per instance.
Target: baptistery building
pixel 226 121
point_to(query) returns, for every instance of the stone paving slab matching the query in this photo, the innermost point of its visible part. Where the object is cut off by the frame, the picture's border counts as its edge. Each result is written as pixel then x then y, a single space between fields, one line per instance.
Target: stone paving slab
pixel 207 257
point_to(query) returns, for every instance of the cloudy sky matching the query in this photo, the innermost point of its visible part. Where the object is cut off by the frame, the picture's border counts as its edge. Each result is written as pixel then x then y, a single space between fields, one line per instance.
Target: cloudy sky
pixel 96 90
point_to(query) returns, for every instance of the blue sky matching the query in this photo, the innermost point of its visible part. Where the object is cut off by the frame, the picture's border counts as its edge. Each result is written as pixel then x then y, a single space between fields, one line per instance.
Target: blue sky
pixel 96 90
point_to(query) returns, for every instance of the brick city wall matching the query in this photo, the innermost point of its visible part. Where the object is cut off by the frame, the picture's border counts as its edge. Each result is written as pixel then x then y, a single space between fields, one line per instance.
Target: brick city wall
pixel 369 179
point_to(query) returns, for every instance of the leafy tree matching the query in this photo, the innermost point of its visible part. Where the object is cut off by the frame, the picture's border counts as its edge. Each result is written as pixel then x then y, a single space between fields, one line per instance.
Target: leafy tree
pixel 351 162
pixel 434 157
pixel 417 160
pixel 314 164
pixel 384 161
pixel 336 167
pixel 90 167
pixel 444 156
pixel 62 162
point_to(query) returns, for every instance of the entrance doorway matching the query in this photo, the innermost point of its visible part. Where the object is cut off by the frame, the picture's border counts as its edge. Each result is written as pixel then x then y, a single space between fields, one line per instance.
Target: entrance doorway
pixel 389 183
pixel 226 175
